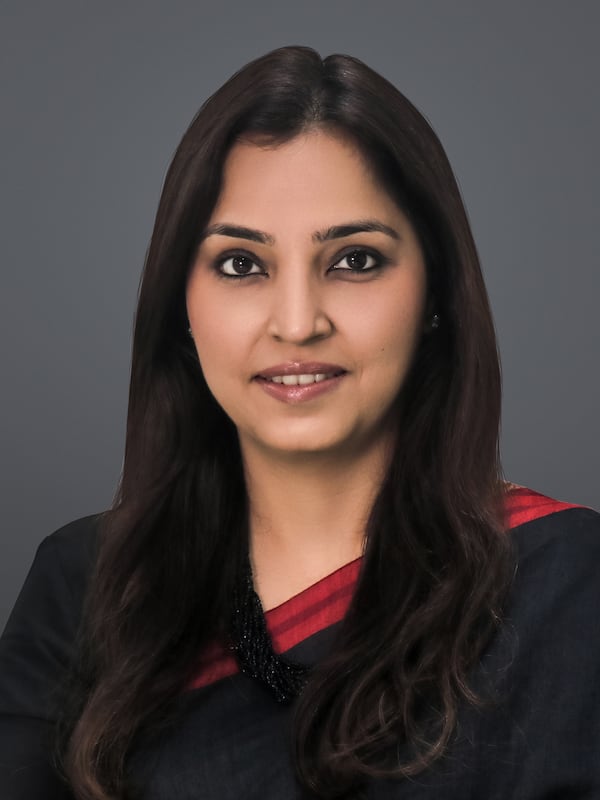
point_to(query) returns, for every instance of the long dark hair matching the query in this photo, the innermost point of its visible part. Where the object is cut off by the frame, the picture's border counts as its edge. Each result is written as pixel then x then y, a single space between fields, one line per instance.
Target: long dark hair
pixel 436 565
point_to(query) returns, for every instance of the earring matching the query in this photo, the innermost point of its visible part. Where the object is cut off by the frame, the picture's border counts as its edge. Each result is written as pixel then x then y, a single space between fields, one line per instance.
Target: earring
pixel 190 332
pixel 435 321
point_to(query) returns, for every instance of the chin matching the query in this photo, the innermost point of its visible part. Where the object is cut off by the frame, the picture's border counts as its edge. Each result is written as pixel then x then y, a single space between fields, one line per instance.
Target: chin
pixel 303 447
pixel 310 442
pixel 289 439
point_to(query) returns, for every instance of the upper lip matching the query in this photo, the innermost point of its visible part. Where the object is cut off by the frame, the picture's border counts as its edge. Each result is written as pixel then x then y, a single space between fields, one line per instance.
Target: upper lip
pixel 300 368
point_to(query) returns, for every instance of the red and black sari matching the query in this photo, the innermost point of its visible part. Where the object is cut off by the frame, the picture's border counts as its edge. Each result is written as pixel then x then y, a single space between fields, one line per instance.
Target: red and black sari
pixel 229 739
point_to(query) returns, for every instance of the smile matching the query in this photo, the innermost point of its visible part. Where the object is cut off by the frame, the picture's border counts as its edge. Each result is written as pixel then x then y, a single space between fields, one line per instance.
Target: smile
pixel 296 382
pixel 301 380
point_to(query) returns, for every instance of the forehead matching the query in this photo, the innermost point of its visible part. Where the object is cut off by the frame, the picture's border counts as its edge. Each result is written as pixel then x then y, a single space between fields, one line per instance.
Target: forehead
pixel 315 177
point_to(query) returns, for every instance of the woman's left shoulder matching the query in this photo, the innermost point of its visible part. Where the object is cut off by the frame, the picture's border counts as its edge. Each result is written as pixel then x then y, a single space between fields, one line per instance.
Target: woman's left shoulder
pixel 557 553
pixel 545 528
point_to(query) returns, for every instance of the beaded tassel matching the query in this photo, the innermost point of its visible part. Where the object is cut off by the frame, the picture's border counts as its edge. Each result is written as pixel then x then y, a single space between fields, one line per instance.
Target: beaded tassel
pixel 254 649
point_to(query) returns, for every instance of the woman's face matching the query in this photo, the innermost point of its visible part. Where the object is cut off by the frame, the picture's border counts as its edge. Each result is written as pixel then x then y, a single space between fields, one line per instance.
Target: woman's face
pixel 307 298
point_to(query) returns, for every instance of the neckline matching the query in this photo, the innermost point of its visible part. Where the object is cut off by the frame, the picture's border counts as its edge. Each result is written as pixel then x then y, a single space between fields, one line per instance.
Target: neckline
pixel 299 596
pixel 521 505
pixel 325 602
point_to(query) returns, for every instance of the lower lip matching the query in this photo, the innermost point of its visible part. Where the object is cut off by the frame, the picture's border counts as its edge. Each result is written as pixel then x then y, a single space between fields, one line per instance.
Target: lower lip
pixel 299 394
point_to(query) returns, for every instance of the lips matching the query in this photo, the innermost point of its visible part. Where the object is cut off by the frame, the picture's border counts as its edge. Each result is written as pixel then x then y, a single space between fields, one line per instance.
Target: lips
pixel 297 382
pixel 294 373
pixel 301 380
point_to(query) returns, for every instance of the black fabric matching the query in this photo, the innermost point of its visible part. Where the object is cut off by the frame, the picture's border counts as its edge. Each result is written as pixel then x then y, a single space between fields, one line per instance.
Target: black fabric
pixel 541 741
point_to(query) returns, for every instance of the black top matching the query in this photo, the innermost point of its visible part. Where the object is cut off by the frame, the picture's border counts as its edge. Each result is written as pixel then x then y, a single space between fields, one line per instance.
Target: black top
pixel 542 741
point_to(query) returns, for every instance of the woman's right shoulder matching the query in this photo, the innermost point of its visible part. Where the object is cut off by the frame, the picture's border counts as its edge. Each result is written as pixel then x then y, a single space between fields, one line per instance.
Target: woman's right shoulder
pixel 69 554
pixel 78 535
pixel 73 546
pixel 36 651
pixel 37 643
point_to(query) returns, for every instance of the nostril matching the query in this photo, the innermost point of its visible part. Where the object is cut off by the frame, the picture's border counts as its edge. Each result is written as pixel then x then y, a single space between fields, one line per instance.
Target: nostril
pixel 297 329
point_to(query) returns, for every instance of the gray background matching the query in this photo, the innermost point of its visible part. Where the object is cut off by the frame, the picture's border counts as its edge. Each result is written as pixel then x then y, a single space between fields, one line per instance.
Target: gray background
pixel 94 98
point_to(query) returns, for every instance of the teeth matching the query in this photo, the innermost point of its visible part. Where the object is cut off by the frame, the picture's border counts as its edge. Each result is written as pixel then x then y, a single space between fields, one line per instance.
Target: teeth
pixel 300 380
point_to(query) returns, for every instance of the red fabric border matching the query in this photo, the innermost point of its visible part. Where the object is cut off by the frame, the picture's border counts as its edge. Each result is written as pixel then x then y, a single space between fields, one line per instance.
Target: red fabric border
pixel 524 505
pixel 326 602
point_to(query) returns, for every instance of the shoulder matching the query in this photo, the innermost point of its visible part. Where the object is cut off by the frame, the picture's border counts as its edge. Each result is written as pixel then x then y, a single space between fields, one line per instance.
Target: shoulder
pixel 71 549
pixel 62 565
pixel 542 669
pixel 36 651
pixel 77 537
pixel 556 591
pixel 543 527
pixel 38 640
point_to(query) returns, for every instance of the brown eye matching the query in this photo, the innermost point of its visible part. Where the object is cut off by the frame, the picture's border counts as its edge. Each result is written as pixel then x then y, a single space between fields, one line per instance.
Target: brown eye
pixel 239 266
pixel 358 261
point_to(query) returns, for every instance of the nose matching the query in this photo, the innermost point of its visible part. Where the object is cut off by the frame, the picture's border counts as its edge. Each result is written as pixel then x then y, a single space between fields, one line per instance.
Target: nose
pixel 297 313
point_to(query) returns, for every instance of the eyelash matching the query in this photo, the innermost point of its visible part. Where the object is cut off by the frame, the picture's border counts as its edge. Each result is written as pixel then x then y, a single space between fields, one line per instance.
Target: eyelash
pixel 237 254
pixel 380 261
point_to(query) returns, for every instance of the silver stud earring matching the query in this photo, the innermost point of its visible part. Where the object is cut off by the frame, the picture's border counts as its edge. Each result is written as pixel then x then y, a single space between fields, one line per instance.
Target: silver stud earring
pixel 190 332
pixel 435 321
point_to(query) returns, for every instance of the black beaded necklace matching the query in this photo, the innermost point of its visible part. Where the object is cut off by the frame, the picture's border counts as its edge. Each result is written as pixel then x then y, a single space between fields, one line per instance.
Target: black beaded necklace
pixel 253 647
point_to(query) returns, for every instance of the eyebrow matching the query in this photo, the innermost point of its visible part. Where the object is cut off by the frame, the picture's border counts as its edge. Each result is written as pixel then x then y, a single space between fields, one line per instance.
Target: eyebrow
pixel 237 232
pixel 334 232
pixel 350 228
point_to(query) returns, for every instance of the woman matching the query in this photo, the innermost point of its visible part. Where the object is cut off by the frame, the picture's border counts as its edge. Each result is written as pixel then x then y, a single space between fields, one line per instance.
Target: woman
pixel 313 581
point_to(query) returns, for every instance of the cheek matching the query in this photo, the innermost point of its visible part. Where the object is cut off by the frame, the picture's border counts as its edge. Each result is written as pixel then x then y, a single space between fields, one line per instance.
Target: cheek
pixel 392 324
pixel 209 329
pixel 218 328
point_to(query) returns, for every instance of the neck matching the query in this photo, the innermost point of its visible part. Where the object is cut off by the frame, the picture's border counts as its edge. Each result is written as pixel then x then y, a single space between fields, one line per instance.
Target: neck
pixel 308 516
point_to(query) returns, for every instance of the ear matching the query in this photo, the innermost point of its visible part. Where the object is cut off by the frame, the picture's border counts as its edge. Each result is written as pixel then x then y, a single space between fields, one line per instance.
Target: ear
pixel 431 319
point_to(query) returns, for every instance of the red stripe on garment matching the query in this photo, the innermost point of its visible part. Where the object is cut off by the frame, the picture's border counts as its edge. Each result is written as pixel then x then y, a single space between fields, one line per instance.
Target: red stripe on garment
pixel 326 602
pixel 312 610
pixel 524 505
pixel 218 663
pixel 316 608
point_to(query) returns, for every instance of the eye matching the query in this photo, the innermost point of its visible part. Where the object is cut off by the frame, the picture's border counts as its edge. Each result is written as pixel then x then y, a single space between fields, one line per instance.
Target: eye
pixel 358 261
pixel 238 266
